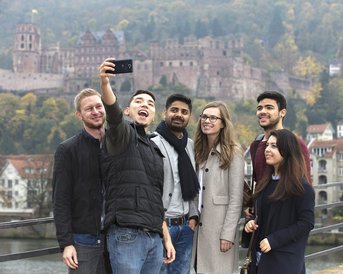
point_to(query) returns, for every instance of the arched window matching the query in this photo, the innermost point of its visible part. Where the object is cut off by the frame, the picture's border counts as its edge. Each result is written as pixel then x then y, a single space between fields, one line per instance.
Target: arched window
pixel 322 180
pixel 322 166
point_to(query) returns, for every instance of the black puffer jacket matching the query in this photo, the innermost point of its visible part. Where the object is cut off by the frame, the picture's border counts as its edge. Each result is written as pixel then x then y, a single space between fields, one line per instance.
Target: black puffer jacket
pixel 134 183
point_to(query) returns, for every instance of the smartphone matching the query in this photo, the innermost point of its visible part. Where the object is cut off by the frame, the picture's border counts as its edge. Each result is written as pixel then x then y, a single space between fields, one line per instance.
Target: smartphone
pixel 121 66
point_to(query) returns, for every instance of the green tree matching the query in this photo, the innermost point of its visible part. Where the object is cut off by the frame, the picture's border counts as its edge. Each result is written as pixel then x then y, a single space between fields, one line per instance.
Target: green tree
pixel 201 29
pixel 276 29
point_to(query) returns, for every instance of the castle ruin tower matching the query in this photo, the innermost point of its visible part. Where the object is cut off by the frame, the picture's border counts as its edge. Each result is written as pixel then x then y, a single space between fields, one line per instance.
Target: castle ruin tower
pixel 27 49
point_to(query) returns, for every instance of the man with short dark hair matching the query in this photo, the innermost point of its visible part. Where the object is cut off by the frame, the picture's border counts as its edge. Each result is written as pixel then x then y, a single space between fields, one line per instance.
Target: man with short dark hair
pixel 133 171
pixel 180 180
pixel 271 110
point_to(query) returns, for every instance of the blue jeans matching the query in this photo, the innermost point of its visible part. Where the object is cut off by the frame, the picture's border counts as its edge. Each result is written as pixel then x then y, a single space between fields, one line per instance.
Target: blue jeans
pixel 90 254
pixel 182 238
pixel 134 251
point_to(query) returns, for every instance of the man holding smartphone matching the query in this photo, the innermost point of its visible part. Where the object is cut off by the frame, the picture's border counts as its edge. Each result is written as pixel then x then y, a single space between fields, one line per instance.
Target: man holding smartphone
pixel 133 172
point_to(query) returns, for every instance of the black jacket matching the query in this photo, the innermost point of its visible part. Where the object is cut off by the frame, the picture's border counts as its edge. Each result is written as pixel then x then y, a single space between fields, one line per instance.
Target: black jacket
pixel 287 228
pixel 133 174
pixel 77 189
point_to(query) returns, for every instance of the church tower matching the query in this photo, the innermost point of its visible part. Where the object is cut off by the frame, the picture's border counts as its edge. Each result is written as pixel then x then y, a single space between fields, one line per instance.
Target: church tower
pixel 27 49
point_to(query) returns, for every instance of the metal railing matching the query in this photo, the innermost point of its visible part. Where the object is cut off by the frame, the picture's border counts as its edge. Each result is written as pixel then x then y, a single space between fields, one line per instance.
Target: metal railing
pixel 30 253
pixel 56 249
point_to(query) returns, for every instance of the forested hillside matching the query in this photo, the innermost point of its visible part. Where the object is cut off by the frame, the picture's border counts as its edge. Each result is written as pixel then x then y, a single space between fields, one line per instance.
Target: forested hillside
pixel 296 36
pixel 276 33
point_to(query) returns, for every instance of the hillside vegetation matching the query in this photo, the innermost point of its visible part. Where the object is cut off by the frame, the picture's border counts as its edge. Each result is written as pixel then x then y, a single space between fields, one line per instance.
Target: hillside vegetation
pixel 296 36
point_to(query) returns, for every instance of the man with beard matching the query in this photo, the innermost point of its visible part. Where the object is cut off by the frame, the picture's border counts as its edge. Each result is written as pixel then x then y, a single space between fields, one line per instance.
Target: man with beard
pixel 78 189
pixel 271 110
pixel 180 180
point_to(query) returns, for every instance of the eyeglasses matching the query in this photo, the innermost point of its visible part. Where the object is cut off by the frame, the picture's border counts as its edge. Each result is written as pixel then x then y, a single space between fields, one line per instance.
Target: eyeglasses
pixel 212 118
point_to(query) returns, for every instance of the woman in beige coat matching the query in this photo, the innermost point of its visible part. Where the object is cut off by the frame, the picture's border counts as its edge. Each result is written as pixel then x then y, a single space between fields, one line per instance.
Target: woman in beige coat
pixel 221 170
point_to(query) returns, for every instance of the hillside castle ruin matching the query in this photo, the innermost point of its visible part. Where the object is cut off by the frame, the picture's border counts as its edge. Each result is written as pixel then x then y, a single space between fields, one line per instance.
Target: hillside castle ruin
pixel 208 67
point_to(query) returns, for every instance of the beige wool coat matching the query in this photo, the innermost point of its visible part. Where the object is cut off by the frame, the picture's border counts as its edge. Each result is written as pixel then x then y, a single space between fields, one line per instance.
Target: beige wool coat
pixel 221 208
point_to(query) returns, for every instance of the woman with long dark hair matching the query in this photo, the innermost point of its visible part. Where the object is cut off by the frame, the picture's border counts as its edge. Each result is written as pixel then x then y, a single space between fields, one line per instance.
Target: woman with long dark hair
pixel 284 209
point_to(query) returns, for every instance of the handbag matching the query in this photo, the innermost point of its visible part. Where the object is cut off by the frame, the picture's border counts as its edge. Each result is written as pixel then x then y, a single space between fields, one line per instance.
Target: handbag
pixel 247 261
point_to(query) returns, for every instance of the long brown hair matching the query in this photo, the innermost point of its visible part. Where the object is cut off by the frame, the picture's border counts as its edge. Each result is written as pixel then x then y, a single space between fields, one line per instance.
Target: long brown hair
pixel 292 169
pixel 226 138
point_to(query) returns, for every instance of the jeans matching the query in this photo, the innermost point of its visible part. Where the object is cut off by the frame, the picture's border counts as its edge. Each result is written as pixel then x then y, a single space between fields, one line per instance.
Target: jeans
pixel 90 255
pixel 182 238
pixel 134 251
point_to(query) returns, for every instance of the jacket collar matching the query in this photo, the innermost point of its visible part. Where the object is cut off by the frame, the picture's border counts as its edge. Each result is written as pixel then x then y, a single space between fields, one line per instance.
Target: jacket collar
pixel 87 136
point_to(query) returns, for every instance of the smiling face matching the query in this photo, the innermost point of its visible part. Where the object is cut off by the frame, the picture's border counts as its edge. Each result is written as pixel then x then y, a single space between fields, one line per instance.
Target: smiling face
pixel 141 109
pixel 92 112
pixel 211 129
pixel 268 114
pixel 177 116
pixel 272 153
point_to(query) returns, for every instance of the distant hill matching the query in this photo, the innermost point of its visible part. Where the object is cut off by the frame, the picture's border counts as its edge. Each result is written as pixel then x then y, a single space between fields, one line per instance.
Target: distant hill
pixel 276 34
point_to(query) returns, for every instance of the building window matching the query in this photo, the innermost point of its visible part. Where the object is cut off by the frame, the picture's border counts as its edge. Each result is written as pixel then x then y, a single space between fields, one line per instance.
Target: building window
pixel 340 171
pixel 322 180
pixel 322 166
pixel 16 182
pixel 9 183
pixel 29 170
pixel 323 197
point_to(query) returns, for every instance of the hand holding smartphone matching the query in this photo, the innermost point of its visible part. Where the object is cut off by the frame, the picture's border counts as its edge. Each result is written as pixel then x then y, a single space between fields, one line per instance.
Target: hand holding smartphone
pixel 121 66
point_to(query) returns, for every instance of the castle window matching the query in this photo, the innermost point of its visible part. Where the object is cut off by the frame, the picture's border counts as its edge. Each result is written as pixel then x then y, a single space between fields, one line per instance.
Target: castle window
pixel 22 38
pixel 22 45
pixel 30 37
pixel 224 53
pixel 30 46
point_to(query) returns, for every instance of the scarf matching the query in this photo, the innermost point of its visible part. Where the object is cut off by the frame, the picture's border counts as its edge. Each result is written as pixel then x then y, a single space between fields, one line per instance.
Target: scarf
pixel 188 178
